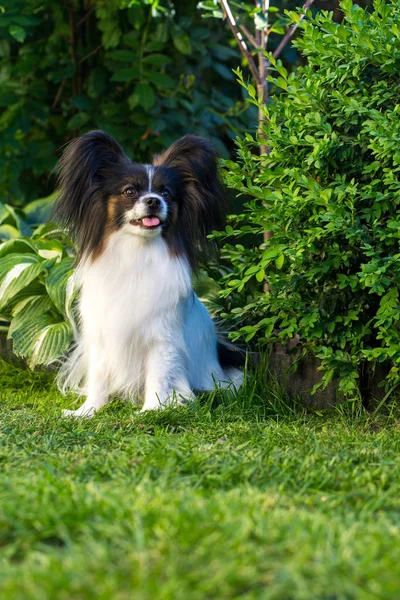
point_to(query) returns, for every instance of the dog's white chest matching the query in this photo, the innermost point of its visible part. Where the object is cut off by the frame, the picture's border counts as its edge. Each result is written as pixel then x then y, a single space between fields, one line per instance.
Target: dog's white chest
pixel 131 285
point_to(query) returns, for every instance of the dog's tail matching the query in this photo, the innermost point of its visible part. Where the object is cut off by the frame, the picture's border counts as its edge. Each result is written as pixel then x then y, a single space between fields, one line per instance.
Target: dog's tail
pixel 230 356
pixel 232 360
pixel 235 360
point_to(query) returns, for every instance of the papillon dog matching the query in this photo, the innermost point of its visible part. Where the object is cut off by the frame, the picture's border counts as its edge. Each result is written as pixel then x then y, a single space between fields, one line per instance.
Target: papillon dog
pixel 140 231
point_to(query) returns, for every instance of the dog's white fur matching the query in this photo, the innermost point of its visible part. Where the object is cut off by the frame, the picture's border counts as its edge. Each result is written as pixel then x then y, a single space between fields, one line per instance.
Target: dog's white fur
pixel 144 332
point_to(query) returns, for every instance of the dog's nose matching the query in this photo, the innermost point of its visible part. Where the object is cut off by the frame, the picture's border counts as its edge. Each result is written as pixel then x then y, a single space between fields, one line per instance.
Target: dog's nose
pixel 153 202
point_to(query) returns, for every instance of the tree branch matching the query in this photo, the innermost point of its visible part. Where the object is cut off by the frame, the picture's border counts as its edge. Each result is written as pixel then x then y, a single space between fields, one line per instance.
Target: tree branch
pixel 290 32
pixel 239 38
pixel 86 16
pixel 72 46
pixel 262 61
pixel 249 36
pixel 59 92
pixel 91 53
pixel 258 33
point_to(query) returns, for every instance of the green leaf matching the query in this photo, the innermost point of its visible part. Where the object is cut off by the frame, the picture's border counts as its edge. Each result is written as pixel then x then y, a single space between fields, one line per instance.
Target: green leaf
pixel 47 230
pixel 17 245
pixel 25 336
pixel 50 249
pixel 279 261
pixel 260 21
pixel 143 96
pixel 124 55
pixel 111 37
pixel 157 60
pixel 128 74
pixel 38 211
pixel 29 309
pixel 82 102
pixel 78 120
pixel 136 14
pixel 57 283
pixel 97 82
pixel 4 214
pixel 52 343
pixel 182 43
pixel 19 276
pixel 260 275
pixel 36 288
pixel 223 71
pixel 160 36
pixel 161 80
pixel 282 83
pixel 251 90
pixel 17 32
pixel 11 260
pixel 8 232
pixel 22 226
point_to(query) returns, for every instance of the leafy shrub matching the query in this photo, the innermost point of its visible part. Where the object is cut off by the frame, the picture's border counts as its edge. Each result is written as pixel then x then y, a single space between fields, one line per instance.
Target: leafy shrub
pixel 330 193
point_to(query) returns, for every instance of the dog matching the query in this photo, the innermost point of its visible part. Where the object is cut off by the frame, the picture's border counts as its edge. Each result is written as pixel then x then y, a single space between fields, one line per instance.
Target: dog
pixel 140 231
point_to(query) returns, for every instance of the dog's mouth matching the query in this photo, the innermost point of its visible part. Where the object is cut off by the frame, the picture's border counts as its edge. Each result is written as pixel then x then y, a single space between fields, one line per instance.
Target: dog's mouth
pixel 149 222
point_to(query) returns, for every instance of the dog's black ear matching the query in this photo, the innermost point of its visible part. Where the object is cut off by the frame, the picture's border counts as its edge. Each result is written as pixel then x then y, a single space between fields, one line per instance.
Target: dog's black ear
pixel 203 203
pixel 85 165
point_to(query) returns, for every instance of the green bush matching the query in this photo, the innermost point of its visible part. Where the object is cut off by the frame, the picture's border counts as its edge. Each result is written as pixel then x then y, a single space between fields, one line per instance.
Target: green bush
pixel 330 193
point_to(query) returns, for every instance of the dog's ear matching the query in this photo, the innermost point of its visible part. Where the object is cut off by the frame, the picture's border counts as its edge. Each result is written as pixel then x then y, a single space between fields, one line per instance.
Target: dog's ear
pixel 84 167
pixel 202 208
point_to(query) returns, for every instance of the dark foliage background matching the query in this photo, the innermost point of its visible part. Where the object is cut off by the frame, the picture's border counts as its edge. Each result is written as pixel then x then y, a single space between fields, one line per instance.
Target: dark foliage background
pixel 147 71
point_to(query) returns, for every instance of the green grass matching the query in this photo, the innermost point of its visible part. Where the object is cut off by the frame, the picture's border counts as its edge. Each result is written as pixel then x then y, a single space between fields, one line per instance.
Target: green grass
pixel 243 497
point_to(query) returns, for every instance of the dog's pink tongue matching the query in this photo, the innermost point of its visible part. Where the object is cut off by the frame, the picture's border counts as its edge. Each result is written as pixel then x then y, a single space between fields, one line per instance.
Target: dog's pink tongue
pixel 151 221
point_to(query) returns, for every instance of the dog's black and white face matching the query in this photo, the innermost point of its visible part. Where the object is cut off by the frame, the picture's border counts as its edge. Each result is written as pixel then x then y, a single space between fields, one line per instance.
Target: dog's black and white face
pixel 145 201
pixel 178 197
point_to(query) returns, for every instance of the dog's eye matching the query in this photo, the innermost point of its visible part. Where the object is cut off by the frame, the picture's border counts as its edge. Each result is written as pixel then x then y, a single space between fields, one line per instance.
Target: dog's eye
pixel 165 194
pixel 130 192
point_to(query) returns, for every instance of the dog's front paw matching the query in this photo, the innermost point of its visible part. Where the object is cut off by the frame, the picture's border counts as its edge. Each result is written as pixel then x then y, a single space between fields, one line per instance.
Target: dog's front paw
pixel 173 398
pixel 155 405
pixel 76 414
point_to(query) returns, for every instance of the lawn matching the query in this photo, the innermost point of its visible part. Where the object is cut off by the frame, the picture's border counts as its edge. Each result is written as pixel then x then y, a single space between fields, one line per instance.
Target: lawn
pixel 243 497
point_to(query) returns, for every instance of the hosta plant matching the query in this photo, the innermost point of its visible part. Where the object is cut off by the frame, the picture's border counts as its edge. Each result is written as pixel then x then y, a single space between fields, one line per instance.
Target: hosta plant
pixel 37 293
pixel 329 190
